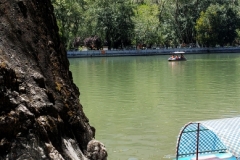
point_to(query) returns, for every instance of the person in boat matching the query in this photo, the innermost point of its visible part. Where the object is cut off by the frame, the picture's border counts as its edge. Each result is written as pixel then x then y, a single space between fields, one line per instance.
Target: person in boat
pixel 176 57
pixel 172 56
pixel 182 57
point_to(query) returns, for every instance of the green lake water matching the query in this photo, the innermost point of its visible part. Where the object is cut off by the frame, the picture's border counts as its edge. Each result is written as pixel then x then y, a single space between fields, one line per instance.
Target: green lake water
pixel 138 104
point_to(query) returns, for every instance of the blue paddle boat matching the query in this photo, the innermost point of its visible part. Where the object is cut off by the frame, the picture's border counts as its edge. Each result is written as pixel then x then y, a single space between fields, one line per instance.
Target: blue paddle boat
pixel 209 140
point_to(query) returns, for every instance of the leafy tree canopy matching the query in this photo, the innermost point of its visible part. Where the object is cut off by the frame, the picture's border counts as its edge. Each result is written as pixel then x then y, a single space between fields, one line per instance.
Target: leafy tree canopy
pixel 217 25
pixel 122 23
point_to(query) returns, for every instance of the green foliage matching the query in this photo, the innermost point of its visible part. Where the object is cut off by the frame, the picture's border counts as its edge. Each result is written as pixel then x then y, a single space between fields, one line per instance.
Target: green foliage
pixel 69 16
pixel 187 12
pixel 114 22
pixel 121 23
pixel 169 31
pixel 217 25
pixel 237 40
pixel 146 24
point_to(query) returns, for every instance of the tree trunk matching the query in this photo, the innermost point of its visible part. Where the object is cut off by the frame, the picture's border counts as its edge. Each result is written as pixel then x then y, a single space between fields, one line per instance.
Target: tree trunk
pixel 40 113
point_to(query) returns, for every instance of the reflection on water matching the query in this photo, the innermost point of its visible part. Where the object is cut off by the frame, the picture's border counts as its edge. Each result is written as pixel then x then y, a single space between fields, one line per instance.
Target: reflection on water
pixel 138 104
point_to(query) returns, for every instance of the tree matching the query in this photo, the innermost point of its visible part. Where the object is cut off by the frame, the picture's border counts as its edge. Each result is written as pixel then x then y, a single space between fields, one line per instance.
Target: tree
pixel 217 25
pixel 114 22
pixel 69 17
pixel 186 14
pixel 124 22
pixel 169 32
pixel 41 115
pixel 146 24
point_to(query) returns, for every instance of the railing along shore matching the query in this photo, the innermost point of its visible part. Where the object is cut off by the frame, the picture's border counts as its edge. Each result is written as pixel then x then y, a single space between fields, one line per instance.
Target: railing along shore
pixel 149 52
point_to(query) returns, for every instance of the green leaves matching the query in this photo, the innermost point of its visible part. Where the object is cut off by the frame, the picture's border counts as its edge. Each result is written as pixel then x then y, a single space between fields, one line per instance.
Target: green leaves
pixel 217 25
pixel 122 23
pixel 114 22
pixel 146 24
pixel 69 15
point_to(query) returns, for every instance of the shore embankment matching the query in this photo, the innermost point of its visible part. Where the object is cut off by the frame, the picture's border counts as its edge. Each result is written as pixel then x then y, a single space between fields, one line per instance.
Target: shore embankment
pixel 149 52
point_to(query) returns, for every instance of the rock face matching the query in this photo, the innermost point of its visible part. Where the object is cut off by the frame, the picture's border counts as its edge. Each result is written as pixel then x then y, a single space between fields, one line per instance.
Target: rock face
pixel 40 113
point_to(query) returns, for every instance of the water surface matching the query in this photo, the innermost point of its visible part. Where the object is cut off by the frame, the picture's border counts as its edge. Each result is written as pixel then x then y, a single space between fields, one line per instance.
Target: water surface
pixel 139 104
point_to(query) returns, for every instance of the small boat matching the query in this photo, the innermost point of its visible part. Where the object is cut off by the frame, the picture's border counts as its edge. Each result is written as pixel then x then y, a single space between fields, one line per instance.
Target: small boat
pixel 217 139
pixel 176 57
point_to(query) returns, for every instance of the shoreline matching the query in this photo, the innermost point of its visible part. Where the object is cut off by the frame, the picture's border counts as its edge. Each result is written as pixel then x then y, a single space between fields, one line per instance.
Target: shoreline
pixel 149 52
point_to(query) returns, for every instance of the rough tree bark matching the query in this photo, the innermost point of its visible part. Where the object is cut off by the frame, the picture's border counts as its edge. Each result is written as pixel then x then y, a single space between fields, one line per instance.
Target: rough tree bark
pixel 40 113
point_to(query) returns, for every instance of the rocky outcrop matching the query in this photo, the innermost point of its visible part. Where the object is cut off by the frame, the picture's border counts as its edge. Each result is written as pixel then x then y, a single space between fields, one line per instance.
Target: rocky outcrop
pixel 40 113
pixel 96 150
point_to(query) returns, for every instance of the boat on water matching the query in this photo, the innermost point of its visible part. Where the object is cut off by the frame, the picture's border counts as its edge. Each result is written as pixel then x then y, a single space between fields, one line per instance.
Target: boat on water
pixel 209 140
pixel 177 56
